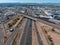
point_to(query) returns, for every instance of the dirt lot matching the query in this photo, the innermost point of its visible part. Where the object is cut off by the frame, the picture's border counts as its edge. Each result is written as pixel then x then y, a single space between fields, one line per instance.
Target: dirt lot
pixel 53 33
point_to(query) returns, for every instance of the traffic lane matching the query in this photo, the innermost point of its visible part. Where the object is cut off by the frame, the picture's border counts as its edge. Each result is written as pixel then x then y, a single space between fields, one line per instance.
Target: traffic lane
pixel 42 34
pixel 13 35
pixel 9 19
pixel 25 34
pixel 29 35
pixel 42 21
pixel 50 24
pixel 38 36
pixel 34 35
pixel 1 36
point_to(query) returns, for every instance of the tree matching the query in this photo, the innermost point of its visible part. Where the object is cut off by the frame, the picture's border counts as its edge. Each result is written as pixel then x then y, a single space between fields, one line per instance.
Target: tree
pixel 9 25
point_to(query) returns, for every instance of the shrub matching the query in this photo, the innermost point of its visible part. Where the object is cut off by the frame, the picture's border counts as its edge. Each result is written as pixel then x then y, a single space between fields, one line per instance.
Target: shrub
pixel 49 37
pixel 53 29
pixel 9 25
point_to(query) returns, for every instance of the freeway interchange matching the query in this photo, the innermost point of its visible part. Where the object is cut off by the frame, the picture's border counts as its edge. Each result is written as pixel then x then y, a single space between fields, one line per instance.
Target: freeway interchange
pixel 29 30
pixel 27 33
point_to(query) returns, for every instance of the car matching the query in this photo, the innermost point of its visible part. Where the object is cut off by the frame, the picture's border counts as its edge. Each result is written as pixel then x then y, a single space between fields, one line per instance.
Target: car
pixel 11 30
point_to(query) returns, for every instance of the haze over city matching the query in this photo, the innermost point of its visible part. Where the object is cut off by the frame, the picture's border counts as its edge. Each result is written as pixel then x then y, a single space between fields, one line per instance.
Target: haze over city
pixel 30 1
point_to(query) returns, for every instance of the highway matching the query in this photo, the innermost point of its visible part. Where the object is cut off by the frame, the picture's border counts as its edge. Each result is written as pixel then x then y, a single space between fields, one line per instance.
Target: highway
pixel 42 21
pixel 13 35
pixel 5 21
pixel 50 24
pixel 1 36
pixel 27 34
pixel 38 36
pixel 2 30
pixel 30 17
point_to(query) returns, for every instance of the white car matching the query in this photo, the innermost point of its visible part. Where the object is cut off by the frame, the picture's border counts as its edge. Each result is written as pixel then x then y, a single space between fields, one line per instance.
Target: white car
pixel 11 30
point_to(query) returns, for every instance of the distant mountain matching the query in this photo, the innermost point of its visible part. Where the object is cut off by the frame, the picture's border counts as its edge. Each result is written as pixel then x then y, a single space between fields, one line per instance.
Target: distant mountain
pixel 9 4
pixel 56 4
pixel 25 4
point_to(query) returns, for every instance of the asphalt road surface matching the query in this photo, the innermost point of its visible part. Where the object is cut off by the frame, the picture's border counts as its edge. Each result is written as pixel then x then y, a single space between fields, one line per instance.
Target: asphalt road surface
pixel 12 37
pixel 50 24
pixel 42 21
pixel 27 34
pixel 38 36
pixel 1 36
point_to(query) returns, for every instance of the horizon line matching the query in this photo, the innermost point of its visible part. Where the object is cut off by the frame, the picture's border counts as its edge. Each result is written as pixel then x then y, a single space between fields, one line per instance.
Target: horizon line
pixel 16 2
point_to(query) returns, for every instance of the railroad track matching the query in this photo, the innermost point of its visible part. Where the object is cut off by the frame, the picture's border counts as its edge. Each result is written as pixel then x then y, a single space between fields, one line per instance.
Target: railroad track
pixel 27 34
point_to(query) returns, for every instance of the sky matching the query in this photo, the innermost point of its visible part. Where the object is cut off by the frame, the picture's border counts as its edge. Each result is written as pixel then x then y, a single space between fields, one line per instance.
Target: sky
pixel 30 1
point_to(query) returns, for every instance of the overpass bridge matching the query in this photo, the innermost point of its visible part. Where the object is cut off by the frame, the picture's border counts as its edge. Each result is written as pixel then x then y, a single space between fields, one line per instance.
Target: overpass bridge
pixel 30 17
pixel 42 21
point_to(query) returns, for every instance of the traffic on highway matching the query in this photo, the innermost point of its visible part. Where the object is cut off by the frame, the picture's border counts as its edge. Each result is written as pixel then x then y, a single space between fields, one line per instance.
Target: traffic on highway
pixel 30 25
